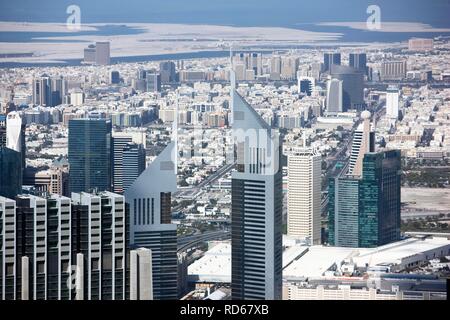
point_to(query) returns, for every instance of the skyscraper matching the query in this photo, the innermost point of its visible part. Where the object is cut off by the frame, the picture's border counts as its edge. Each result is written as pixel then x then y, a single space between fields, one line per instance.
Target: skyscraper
pixel 133 163
pixel 330 59
pixel 167 71
pixel 363 142
pixel 15 134
pixel 118 145
pixel 275 67
pixel 255 63
pixel 358 61
pixel 90 154
pixel 150 221
pixel 304 195
pixel 102 53
pixel 58 90
pixel 364 198
pixel 101 221
pixel 380 199
pixel 392 102
pixel 153 82
pixel 10 172
pixel 334 96
pixel 352 86
pixel 141 278
pixel 364 211
pixel 57 248
pixel 256 206
pixel 289 67
pixel 114 77
pixel 7 248
pixel 89 54
pixel 42 93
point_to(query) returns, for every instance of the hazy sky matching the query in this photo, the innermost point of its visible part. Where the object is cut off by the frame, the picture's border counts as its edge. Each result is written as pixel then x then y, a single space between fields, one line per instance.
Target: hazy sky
pixel 227 12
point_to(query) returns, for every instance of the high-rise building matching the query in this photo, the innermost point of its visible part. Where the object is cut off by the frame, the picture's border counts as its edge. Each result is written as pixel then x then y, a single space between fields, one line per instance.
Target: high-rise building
pixel 289 67
pixel 256 206
pixel 358 61
pixel 306 85
pixel 153 82
pixel 58 248
pixel 118 145
pixel 392 102
pixel 304 195
pixel 10 172
pixel 330 59
pixel 150 221
pixel 7 248
pixel 133 163
pixel 363 142
pixel 334 96
pixel 275 67
pixel 15 134
pixel 58 90
pixel 141 278
pixel 255 63
pixel 114 77
pixel 352 86
pixel 77 98
pixel 393 70
pixel 102 53
pixel 89 54
pixel 42 92
pixel 364 211
pixel 102 229
pixel 167 71
pixel 89 154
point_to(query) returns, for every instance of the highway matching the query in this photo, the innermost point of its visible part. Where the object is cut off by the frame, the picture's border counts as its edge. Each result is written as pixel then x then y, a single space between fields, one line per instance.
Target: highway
pixel 191 192
pixel 188 242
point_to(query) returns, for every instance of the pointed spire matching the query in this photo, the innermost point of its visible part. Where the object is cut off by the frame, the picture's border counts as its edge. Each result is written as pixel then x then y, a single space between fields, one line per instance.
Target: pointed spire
pixel 232 86
pixel 175 133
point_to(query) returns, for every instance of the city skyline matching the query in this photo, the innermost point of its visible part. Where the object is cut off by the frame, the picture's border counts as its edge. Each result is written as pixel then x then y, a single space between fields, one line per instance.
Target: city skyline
pixel 241 151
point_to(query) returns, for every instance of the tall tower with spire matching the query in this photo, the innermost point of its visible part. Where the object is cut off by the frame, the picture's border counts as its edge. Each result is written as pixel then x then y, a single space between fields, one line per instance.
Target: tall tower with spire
pixel 256 214
pixel 149 200
pixel 363 142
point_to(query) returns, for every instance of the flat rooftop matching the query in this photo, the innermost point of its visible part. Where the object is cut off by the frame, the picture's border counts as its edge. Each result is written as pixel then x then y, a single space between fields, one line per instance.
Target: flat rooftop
pixel 302 261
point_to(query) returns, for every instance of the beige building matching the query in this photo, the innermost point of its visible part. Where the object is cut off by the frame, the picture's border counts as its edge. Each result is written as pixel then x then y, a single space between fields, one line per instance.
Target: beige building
pixel 304 195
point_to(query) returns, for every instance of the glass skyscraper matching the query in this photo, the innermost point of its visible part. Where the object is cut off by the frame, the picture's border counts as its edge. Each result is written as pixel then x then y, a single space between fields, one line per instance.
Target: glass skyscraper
pixel 10 172
pixel 90 154
pixel 364 210
pixel 256 207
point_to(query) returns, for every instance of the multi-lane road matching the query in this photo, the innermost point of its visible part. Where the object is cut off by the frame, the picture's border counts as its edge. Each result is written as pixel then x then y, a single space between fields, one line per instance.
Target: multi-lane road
pixel 187 242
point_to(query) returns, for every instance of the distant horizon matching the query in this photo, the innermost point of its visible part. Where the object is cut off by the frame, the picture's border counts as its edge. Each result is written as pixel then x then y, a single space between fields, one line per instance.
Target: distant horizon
pixel 270 13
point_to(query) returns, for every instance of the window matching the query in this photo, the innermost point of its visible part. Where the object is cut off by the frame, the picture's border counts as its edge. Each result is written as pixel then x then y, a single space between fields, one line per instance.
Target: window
pixel 94 264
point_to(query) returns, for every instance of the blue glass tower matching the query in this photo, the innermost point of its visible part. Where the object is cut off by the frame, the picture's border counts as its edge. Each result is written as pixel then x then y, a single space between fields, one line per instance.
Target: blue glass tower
pixel 364 210
pixel 90 155
pixel 10 172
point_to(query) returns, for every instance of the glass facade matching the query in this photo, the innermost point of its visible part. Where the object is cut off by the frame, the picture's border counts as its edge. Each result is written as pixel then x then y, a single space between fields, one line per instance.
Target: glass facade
pixel 90 155
pixel 10 173
pixel 365 211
